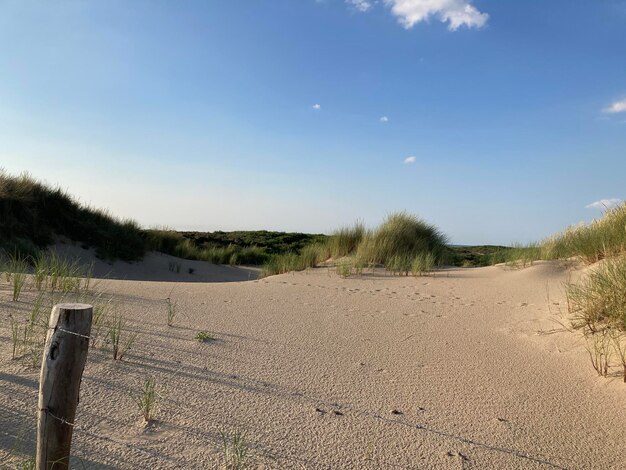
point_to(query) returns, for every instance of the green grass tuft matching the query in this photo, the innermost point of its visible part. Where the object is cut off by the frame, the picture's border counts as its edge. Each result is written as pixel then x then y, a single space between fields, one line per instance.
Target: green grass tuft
pixel 345 241
pixel 204 337
pixel 235 450
pixel 401 237
pixel 147 400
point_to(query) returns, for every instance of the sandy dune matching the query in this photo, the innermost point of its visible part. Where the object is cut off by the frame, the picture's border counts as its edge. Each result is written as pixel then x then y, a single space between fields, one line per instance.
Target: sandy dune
pixel 461 370
pixel 157 267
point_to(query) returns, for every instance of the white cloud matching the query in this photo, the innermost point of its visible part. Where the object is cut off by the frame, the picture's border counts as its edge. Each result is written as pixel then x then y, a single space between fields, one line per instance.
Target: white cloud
pixel 384 119
pixel 617 107
pixel 316 106
pixel 603 204
pixel 456 13
pixel 360 5
pixel 409 160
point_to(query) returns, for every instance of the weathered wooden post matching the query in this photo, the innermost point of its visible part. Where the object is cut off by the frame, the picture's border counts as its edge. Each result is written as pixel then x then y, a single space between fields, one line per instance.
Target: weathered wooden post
pixel 64 357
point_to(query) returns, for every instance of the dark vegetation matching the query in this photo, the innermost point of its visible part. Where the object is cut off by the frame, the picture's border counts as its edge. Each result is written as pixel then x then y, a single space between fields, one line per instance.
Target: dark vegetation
pixel 242 247
pixel 482 255
pixel 402 244
pixel 34 214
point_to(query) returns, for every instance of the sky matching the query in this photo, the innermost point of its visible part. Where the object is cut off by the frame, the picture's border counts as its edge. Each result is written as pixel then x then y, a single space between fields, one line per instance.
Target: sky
pixel 499 121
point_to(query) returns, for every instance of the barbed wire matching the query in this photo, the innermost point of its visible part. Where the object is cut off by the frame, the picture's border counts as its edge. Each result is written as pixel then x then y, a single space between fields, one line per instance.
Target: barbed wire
pixel 81 428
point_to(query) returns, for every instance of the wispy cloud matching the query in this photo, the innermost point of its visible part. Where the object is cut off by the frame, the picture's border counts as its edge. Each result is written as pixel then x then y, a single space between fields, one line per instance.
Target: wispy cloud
pixel 360 5
pixel 603 204
pixel 456 13
pixel 616 107
pixel 316 107
pixel 409 160
pixel 384 119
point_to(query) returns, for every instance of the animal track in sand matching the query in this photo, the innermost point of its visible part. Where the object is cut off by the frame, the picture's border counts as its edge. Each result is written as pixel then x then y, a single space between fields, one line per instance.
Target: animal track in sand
pixel 464 459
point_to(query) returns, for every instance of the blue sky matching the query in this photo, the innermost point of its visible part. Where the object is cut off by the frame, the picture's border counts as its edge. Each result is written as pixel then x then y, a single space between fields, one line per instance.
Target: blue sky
pixel 202 115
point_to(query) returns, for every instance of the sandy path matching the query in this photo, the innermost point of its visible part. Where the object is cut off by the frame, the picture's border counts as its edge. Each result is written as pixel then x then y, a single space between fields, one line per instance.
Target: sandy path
pixel 310 366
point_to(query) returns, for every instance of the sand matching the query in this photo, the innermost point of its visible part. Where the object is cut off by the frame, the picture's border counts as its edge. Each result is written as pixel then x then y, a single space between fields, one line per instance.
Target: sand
pixel 466 369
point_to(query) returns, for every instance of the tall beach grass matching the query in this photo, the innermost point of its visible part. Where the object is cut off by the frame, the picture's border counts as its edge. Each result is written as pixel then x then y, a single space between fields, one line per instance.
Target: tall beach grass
pixel 602 238
pixel 399 240
pixel 33 214
pixel 403 244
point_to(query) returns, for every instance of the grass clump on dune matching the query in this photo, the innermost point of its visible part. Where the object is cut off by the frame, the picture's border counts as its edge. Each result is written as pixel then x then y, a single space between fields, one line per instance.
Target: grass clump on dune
pixel 592 242
pixel 176 244
pixel 345 241
pixel 32 214
pixel 403 244
pixel 599 300
pixel 518 255
pixel 399 240
pixel 597 307
pixel 600 239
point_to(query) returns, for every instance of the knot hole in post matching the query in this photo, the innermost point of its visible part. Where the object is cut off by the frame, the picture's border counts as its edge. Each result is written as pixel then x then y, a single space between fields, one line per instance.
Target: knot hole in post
pixel 54 350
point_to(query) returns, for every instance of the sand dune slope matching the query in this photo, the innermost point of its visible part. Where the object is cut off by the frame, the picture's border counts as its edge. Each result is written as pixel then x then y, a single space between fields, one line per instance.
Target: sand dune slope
pixel 157 267
pixel 462 370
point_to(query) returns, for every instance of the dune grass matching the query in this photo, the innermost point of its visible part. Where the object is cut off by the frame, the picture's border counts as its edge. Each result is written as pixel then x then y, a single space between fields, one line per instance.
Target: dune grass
pixel 603 238
pixel 597 307
pixel 401 236
pixel 399 239
pixel 147 400
pixel 235 450
pixel 204 337
pixel 346 240
pixel 599 299
pixel 170 311
pixel 176 244
pixel 403 244
pixel 33 213
pixel 120 337
pixel 16 270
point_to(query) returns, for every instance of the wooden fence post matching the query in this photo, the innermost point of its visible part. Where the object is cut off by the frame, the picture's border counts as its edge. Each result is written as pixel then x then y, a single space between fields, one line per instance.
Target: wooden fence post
pixel 64 357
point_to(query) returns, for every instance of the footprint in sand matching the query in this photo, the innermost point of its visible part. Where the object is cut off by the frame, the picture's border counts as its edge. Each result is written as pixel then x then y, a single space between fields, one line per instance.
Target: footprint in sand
pixel 463 458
